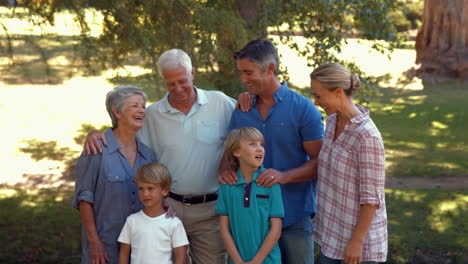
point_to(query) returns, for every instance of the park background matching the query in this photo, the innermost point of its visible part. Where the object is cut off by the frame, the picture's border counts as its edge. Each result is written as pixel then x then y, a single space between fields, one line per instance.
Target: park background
pixel 51 95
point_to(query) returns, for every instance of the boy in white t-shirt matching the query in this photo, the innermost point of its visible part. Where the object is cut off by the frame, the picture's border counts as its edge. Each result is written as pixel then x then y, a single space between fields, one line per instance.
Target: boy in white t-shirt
pixel 149 235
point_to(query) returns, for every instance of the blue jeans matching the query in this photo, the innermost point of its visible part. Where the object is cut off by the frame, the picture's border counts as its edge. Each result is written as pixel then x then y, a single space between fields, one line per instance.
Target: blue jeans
pixel 296 243
pixel 326 260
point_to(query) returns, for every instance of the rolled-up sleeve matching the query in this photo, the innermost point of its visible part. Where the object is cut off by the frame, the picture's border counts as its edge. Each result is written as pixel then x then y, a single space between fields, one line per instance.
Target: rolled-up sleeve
pixel 87 171
pixel 371 158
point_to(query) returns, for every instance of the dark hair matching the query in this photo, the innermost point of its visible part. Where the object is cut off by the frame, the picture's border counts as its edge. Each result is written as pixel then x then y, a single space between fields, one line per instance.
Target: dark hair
pixel 261 52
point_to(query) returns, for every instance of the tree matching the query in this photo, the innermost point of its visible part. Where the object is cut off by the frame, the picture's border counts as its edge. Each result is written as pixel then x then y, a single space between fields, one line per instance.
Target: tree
pixel 210 30
pixel 442 42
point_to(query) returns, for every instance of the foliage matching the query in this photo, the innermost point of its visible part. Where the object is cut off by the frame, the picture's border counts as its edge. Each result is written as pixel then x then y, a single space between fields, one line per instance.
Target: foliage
pixel 407 15
pixel 210 30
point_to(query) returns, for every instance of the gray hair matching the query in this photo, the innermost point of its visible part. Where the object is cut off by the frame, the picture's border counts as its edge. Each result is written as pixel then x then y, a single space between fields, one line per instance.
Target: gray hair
pixel 117 97
pixel 335 75
pixel 174 59
pixel 261 52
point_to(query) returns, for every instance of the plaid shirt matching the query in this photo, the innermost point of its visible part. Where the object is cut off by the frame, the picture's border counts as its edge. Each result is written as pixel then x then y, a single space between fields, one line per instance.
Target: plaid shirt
pixel 351 172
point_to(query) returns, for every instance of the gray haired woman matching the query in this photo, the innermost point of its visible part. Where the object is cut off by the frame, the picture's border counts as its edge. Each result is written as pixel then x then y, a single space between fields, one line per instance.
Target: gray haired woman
pixel 105 193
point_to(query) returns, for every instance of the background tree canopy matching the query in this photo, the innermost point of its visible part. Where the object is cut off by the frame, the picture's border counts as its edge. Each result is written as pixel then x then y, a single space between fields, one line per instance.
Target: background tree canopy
pixel 210 30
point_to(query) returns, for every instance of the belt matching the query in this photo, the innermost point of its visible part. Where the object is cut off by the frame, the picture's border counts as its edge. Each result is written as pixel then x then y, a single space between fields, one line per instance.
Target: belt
pixel 189 200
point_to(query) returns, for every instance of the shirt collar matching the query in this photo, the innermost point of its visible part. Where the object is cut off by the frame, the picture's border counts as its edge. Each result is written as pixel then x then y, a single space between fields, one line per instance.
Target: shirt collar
pixel 279 95
pixel 202 99
pixel 363 116
pixel 240 178
pixel 113 144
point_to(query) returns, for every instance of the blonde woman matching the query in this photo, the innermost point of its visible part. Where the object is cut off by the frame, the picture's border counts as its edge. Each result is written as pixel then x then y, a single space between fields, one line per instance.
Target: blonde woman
pixel 351 220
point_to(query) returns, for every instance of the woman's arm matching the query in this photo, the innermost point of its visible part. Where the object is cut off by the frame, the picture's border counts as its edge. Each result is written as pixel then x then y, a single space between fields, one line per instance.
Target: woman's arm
pixel 180 255
pixel 270 241
pixel 228 240
pixel 97 250
pixel 353 250
pixel 124 253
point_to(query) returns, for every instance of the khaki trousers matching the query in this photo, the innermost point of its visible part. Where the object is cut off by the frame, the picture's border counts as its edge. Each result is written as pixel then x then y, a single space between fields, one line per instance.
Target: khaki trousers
pixel 202 227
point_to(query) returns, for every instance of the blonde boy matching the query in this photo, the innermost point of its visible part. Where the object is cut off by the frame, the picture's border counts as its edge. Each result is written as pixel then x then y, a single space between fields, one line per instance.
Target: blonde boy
pixel 250 215
pixel 149 235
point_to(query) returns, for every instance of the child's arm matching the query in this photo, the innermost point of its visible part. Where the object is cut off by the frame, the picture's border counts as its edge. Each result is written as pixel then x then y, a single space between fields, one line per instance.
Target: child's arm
pixel 180 255
pixel 228 240
pixel 270 241
pixel 124 253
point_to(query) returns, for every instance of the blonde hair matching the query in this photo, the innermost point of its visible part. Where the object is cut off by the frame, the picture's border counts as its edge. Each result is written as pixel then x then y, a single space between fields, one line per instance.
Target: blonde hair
pixel 233 142
pixel 155 173
pixel 335 75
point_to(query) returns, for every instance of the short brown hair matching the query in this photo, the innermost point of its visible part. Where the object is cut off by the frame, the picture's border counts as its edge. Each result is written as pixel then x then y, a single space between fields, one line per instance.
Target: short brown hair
pixel 156 173
pixel 233 143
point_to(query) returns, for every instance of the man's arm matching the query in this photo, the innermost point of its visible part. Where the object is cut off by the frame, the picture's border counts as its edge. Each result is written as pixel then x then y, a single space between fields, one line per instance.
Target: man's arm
pixel 228 240
pixel 270 241
pixel 91 144
pixel 305 172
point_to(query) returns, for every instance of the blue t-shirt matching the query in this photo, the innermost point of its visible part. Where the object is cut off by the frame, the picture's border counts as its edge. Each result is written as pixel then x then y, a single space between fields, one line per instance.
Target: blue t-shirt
pixel 249 208
pixel 290 122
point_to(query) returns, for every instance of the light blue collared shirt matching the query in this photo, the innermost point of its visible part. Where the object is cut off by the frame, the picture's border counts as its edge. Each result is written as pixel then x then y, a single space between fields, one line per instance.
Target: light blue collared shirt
pixel 292 121
pixel 106 181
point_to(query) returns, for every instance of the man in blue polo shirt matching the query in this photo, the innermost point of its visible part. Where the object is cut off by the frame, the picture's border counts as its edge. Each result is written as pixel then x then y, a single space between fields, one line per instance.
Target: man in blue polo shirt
pixel 293 131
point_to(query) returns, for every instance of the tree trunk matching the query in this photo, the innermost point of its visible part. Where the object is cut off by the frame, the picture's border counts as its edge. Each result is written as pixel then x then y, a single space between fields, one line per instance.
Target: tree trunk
pixel 442 42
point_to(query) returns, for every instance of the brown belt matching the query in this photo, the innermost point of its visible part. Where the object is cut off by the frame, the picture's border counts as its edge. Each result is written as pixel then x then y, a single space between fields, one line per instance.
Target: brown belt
pixel 189 200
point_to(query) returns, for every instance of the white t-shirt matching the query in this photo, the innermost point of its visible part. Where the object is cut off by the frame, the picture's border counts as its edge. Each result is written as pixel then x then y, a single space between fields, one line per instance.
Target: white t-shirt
pixel 152 238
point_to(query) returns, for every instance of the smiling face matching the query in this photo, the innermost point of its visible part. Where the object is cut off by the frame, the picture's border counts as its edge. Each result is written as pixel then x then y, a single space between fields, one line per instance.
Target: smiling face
pixel 250 153
pixel 326 99
pixel 256 80
pixel 151 194
pixel 133 113
pixel 179 83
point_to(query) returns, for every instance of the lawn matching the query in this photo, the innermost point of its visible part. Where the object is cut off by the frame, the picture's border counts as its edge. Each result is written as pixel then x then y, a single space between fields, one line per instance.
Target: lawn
pixel 44 107
pixel 425 226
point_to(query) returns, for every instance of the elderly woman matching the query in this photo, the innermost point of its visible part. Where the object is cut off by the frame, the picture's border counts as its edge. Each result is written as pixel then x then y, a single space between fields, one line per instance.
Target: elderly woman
pixel 351 220
pixel 105 193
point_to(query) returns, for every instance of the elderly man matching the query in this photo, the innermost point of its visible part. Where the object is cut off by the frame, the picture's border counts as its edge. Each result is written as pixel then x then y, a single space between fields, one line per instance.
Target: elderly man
pixel 293 131
pixel 186 129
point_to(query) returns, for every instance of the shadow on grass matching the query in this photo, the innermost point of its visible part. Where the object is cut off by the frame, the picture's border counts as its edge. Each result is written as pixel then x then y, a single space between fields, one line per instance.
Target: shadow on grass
pixel 51 150
pixel 39 227
pixel 427 226
pixel 424 130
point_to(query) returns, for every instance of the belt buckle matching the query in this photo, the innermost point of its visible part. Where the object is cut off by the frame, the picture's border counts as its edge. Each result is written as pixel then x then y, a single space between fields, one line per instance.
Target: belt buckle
pixel 187 200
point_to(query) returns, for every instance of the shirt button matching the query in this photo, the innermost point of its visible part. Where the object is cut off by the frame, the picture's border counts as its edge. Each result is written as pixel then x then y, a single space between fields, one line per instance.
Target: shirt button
pixel 246 198
pixel 116 177
pixel 133 192
pixel 282 124
pixel 263 125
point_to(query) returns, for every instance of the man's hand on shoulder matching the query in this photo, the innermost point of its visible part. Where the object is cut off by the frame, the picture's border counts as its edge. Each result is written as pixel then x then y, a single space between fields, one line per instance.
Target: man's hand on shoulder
pixel 245 101
pixel 228 177
pixel 91 144
pixel 271 177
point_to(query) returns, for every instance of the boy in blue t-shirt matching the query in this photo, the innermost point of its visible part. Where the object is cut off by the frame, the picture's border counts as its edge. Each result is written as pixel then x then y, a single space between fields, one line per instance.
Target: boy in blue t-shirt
pixel 250 215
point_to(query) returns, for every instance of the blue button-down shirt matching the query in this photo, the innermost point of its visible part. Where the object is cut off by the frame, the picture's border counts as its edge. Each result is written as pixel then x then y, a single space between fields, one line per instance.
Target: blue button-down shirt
pixel 106 181
pixel 292 121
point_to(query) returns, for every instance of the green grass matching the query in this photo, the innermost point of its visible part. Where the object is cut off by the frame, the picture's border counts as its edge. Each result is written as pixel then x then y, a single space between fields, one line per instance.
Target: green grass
pixel 427 226
pixel 38 228
pixel 424 130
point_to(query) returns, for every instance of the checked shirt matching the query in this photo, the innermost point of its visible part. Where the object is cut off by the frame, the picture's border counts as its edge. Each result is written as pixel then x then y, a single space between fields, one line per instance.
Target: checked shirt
pixel 351 172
